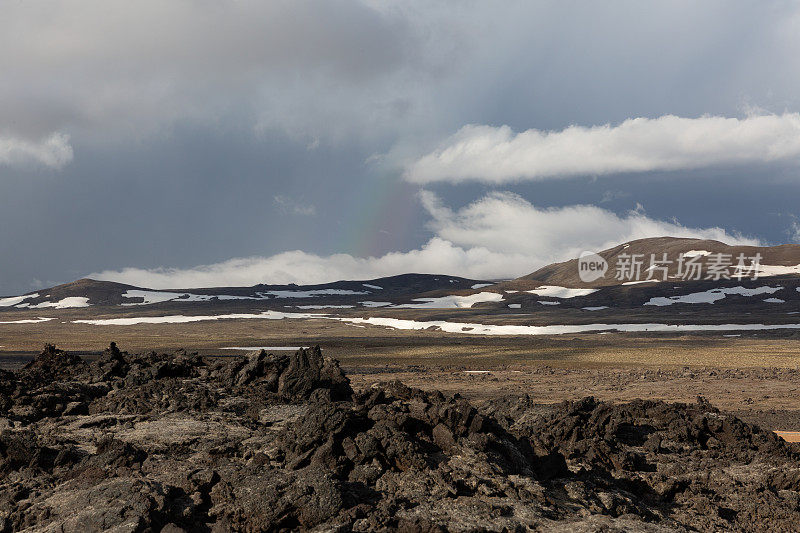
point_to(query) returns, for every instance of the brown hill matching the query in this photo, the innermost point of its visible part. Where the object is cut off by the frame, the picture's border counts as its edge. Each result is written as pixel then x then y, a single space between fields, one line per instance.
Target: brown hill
pixel 566 274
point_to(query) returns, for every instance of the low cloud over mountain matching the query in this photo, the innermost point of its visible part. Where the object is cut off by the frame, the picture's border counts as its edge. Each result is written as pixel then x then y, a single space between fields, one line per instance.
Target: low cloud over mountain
pixel 501 235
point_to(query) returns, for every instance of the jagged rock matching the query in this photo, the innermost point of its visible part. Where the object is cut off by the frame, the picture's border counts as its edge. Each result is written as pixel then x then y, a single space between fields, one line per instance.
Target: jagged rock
pixel 308 371
pixel 111 363
pixel 52 364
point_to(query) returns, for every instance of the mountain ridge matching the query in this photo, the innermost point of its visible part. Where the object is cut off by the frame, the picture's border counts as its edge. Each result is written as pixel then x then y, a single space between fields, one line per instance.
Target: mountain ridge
pixel 546 291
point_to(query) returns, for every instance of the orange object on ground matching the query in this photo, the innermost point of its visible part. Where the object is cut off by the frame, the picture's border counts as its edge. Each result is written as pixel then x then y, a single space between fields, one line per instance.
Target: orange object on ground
pixel 789 436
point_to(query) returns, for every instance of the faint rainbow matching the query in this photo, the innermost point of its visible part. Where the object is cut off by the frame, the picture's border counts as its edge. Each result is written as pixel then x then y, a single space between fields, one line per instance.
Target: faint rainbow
pixel 379 204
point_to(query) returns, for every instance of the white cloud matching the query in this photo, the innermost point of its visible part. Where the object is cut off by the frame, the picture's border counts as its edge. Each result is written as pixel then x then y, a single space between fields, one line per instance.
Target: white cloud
pixel 53 151
pixel 499 236
pixel 507 222
pixel 497 154
pixel 436 256
pixel 794 232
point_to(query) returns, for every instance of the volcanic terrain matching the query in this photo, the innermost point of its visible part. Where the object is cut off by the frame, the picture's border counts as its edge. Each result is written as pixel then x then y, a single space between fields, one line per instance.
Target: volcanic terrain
pixel 264 442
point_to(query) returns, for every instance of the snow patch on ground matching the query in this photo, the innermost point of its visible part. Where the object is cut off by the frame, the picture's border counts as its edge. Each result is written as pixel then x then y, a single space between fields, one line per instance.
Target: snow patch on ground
pixel 441 325
pixel 313 293
pixel 545 302
pixel 711 296
pixel 28 321
pixel 375 304
pixel 452 301
pixel 182 319
pixel 514 306
pixel 554 291
pixel 777 270
pixel 497 329
pixel 643 281
pixel 695 253
pixel 14 300
pixel 595 308
pixel 367 285
pixel 481 285
pixel 64 303
pixel 323 306
pixel 156 297
pixel 774 301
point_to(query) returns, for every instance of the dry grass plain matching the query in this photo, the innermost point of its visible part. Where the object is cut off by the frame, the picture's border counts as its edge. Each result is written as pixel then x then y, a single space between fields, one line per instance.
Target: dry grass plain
pixel 756 376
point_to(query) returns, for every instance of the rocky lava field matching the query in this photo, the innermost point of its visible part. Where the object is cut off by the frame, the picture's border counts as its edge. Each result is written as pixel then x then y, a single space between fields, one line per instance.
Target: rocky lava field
pixel 179 442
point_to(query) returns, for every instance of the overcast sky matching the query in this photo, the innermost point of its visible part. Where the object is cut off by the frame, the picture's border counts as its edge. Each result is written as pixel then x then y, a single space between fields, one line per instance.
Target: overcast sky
pixel 178 143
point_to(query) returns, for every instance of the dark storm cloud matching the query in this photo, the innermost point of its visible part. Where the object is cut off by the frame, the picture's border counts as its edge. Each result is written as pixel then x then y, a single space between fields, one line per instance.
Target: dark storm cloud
pixel 131 67
pixel 160 133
